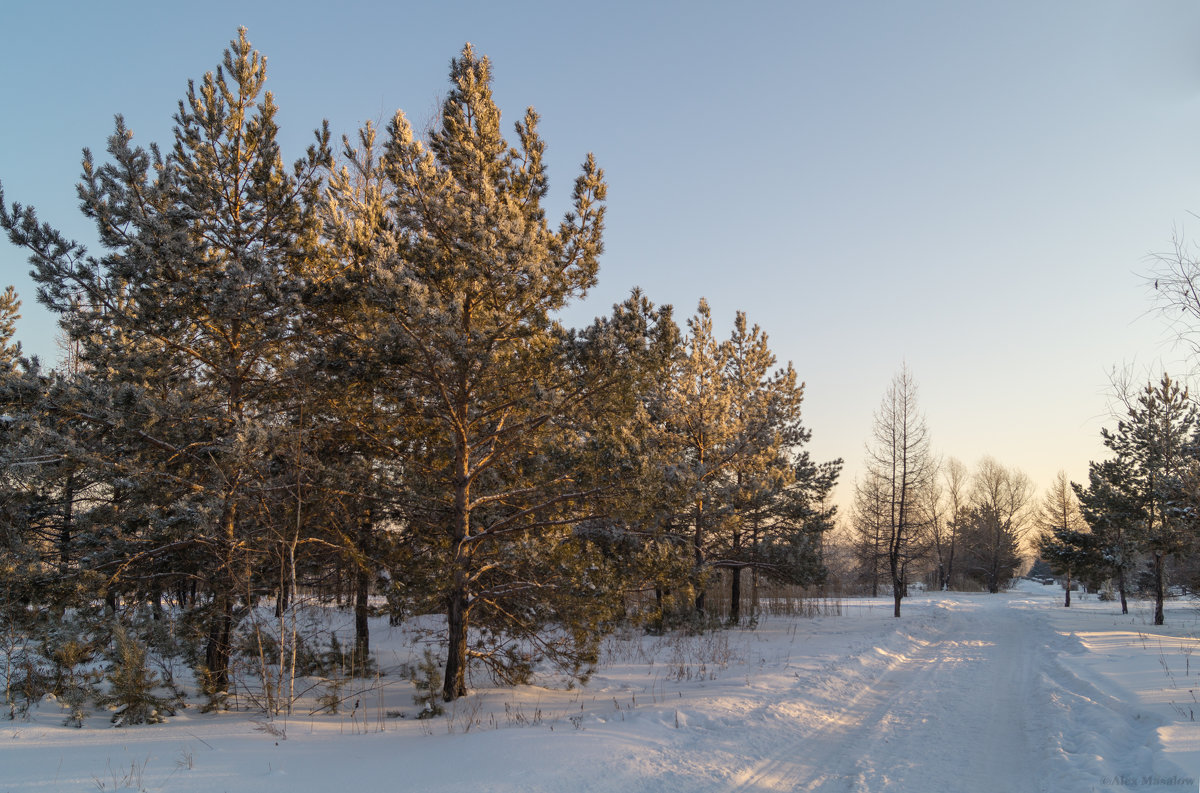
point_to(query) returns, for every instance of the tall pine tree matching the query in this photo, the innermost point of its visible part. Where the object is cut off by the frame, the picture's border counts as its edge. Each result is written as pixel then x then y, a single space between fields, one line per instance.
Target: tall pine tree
pixel 1154 447
pixel 188 318
pixel 508 413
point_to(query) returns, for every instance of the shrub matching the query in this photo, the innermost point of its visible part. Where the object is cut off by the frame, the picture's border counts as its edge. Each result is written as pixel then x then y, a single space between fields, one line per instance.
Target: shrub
pixel 132 684
pixel 427 679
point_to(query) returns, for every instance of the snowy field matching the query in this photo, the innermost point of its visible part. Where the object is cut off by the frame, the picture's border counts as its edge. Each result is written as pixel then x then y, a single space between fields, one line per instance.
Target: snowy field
pixel 974 693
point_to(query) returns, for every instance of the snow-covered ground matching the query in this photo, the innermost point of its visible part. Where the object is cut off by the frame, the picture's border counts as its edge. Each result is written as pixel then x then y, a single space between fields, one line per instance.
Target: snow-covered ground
pixel 975 693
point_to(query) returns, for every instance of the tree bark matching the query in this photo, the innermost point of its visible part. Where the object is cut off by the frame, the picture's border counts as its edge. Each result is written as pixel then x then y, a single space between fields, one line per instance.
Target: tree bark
pixel 362 593
pixel 698 549
pixel 455 683
pixel 1159 587
pixel 220 632
pixel 218 650
pixel 458 601
pixel 735 596
pixel 362 629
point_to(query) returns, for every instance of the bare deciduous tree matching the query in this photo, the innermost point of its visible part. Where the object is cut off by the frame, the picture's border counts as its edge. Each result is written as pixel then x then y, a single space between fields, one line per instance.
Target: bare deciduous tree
pixel 900 464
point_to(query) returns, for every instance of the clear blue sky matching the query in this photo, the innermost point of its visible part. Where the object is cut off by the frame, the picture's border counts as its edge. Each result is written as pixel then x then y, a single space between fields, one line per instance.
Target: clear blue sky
pixel 972 188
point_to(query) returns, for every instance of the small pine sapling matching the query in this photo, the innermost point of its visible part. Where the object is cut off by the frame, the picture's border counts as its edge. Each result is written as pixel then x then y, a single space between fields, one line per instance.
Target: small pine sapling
pixel 427 679
pixel 132 684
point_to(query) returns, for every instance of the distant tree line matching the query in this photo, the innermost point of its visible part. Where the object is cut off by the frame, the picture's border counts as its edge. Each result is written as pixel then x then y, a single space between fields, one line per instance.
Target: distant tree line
pixel 918 520
pixel 1134 526
pixel 347 378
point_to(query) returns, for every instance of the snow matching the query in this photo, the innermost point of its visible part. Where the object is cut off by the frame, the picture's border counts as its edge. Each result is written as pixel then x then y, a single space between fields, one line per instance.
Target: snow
pixel 967 692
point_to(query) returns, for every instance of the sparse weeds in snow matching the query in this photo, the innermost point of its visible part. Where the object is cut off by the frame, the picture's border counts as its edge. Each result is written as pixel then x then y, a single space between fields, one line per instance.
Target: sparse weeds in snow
pixel 515 716
pixel 272 727
pixel 1185 709
pixel 124 780
pixel 623 647
pixel 274 654
pixel 464 714
pixel 699 657
pixel 790 604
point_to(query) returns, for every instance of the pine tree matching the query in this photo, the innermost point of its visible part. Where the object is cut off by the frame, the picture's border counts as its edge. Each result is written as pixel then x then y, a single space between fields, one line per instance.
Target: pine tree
pixel 1154 448
pixel 349 309
pixel 702 427
pixel 10 350
pixel 188 319
pixel 21 455
pixel 506 411
pixel 1063 542
pixel 766 413
pixel 776 493
pixel 1110 509
pixel 741 486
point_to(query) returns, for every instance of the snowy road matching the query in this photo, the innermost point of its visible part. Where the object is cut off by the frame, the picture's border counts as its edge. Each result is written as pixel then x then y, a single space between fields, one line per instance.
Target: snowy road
pixel 954 712
pixel 976 699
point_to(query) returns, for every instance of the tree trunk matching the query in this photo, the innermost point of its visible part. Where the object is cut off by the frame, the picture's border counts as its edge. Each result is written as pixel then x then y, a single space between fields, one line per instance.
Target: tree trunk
pixel 735 596
pixel 458 600
pixel 754 573
pixel 218 650
pixel 362 629
pixel 897 589
pixel 1121 589
pixel 220 630
pixel 455 683
pixel 1068 602
pixel 281 600
pixel 362 592
pixel 698 549
pixel 1160 587
pixel 754 606
pixel 66 533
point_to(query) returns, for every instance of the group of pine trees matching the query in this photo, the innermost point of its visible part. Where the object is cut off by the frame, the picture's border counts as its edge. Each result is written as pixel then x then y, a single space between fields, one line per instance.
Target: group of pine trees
pixel 347 377
pixel 1138 518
